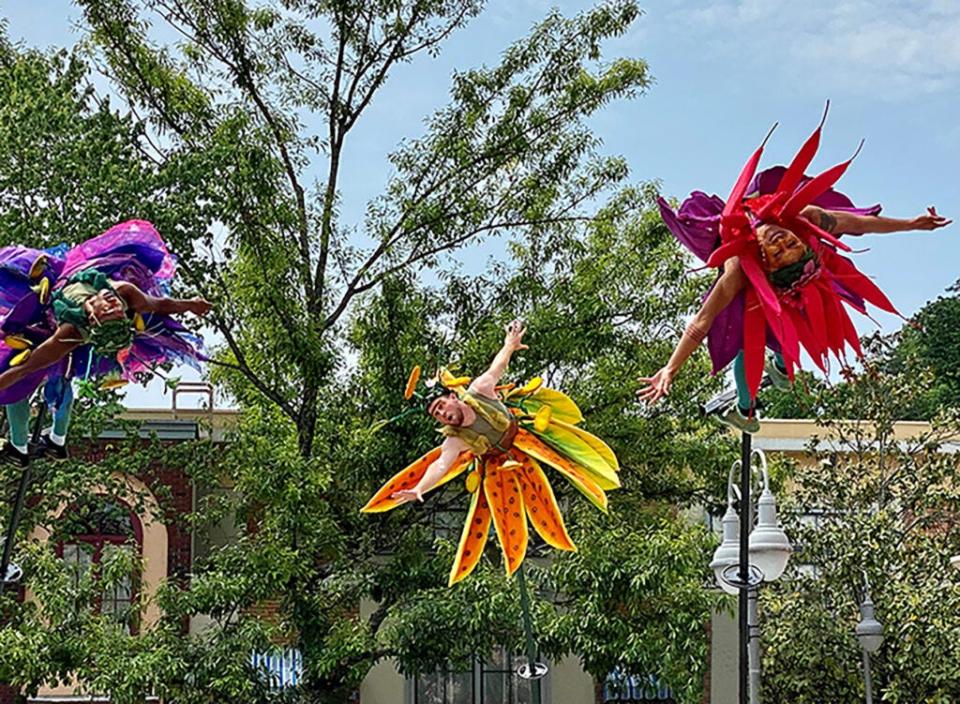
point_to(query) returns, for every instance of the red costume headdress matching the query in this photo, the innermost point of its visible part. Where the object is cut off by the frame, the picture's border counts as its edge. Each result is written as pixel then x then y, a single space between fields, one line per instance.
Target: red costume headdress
pixel 810 312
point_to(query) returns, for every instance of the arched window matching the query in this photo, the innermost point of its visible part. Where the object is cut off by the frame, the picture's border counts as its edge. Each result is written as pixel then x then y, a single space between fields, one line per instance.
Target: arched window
pixel 90 531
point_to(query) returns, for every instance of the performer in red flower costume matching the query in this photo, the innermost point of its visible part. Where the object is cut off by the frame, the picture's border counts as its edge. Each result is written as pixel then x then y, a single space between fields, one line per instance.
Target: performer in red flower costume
pixel 783 283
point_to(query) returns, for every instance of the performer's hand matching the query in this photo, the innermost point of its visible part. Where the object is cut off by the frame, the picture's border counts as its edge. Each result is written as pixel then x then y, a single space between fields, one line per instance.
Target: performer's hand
pixel 200 306
pixel 514 338
pixel 657 386
pixel 406 495
pixel 929 220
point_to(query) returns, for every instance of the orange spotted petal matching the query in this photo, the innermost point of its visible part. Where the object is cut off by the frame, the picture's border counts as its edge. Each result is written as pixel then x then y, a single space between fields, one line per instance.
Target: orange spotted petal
pixel 473 539
pixel 542 507
pixel 502 489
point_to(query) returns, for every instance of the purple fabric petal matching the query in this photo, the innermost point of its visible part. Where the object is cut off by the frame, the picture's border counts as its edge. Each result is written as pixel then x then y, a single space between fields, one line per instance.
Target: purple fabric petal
pixel 137 239
pixel 696 224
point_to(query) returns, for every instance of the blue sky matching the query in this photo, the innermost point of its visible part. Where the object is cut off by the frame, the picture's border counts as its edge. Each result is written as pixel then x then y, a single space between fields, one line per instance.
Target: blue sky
pixel 724 72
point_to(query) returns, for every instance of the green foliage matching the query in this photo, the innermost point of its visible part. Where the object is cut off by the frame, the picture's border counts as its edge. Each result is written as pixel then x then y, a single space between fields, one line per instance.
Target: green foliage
pixel 321 319
pixel 70 166
pixel 633 596
pixel 887 507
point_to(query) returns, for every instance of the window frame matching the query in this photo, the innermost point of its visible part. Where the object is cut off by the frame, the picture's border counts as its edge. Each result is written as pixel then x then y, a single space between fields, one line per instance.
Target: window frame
pixel 101 540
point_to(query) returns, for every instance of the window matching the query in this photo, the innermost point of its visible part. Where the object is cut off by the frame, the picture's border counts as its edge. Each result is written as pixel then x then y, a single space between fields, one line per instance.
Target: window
pixel 91 532
pixel 501 685
pixel 444 687
pixel 493 681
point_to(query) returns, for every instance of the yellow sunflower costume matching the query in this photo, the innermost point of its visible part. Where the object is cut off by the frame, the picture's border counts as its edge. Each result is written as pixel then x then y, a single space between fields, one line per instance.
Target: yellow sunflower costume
pixel 513 436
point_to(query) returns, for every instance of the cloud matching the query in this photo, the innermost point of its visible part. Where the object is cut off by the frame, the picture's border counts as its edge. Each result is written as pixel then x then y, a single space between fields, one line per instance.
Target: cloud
pixel 889 48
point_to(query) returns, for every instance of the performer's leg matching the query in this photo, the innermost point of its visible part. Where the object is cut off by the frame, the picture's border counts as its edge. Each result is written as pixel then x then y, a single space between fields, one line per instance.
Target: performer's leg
pixel 744 403
pixel 740 415
pixel 18 418
pixel 61 416
pixel 58 394
pixel 777 371
pixel 15 450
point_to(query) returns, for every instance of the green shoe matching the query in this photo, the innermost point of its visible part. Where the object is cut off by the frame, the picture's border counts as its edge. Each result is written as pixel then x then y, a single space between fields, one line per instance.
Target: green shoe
pixel 778 377
pixel 733 418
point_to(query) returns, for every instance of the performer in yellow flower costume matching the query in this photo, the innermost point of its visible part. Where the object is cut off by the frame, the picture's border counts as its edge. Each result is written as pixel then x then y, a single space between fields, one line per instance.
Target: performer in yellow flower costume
pixel 500 436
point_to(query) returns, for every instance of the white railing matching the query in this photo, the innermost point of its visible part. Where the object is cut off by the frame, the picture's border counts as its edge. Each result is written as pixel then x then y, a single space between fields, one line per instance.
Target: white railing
pixel 280 668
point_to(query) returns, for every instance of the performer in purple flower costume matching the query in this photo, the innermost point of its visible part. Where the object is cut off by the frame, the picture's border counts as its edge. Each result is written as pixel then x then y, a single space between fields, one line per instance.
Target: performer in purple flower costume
pixel 98 310
pixel 782 282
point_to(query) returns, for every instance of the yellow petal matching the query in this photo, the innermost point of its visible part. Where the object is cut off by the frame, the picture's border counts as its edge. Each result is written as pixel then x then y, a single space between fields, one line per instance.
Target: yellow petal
pixel 531 386
pixel 412 382
pixel 475 531
pixel 38 267
pixel 20 358
pixel 578 476
pixel 113 384
pixel 138 323
pixel 562 405
pixel 542 507
pixel 542 419
pixel 502 490
pixel 44 291
pixel 473 481
pixel 15 342
pixel 450 381
pixel 408 478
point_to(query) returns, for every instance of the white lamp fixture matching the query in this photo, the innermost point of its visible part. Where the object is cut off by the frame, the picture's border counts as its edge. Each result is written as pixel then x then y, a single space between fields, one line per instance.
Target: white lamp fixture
pixel 869 630
pixel 770 548
pixel 729 551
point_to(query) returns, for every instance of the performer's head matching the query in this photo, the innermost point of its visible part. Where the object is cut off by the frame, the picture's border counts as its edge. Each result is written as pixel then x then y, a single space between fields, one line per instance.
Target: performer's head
pixel 447 409
pixel 779 247
pixel 109 329
pixel 103 306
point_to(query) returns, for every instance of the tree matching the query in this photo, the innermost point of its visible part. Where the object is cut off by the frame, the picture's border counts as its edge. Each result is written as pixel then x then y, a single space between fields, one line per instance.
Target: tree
pixel 511 153
pixel 886 507
pixel 217 120
pixel 70 165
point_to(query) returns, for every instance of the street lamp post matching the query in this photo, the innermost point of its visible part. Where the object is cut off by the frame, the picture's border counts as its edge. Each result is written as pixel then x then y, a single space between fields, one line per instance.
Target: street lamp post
pixel 747 557
pixel 870 635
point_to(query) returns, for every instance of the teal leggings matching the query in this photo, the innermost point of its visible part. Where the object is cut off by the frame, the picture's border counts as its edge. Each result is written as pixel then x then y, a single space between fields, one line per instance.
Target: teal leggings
pixel 740 376
pixel 18 417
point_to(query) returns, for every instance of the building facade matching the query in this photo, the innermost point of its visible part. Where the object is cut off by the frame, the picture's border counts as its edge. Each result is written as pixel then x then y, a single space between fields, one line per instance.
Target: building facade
pixel 169 551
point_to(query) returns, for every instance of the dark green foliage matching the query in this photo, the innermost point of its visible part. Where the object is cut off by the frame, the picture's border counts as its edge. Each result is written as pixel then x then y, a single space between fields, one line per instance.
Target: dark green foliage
pixel 886 505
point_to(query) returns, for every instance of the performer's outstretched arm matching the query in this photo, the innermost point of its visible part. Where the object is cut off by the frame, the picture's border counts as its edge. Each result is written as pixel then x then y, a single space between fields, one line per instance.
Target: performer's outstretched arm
pixel 145 303
pixel 486 383
pixel 728 286
pixel 65 339
pixel 850 223
pixel 449 451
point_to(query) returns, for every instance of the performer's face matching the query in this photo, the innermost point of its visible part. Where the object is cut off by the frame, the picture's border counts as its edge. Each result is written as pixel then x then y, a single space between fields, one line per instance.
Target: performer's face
pixel 447 410
pixel 780 247
pixel 103 306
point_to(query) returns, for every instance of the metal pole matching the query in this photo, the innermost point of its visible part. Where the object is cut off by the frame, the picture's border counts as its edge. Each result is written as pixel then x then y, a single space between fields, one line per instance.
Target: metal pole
pixel 866 676
pixel 745 452
pixel 528 633
pixel 754 646
pixel 14 523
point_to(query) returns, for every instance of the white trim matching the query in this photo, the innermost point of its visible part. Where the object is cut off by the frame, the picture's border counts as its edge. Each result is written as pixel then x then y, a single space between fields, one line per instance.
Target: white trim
pixel 774 444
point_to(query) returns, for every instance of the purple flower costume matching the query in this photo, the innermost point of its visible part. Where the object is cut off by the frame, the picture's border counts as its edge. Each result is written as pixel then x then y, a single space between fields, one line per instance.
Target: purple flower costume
pixel 131 251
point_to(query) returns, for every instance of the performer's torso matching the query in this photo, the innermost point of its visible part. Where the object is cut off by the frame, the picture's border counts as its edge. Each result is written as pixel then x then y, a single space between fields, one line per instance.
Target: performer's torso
pixel 492 423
